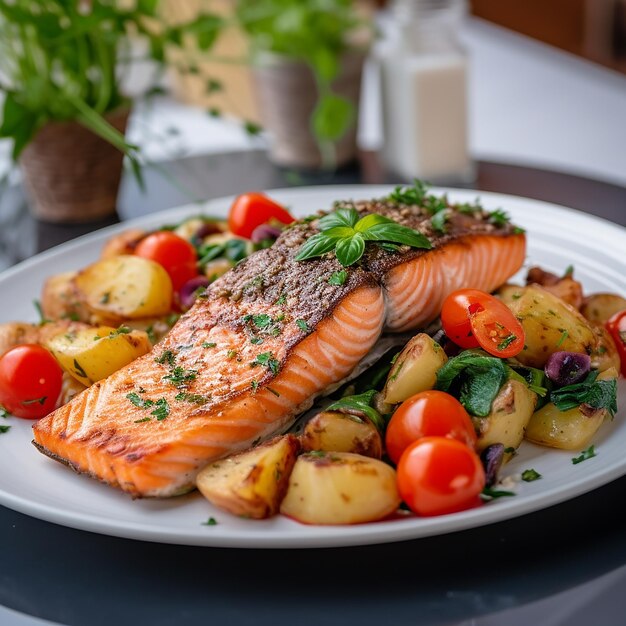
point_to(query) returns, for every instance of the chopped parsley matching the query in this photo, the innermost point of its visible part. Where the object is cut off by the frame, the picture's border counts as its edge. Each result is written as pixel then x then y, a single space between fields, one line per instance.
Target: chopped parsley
pixel 303 326
pixel 507 341
pixel 569 270
pixel 105 298
pixel 79 370
pixel 338 278
pixel 179 376
pixel 499 217
pixel 167 357
pixel 564 336
pixel 273 391
pixel 210 522
pixel 529 475
pixel 4 429
pixel 138 401
pixel 161 409
pixel 151 335
pixel 438 222
pixel 435 205
pixel 142 420
pixel 282 300
pixel 411 194
pixel 256 340
pixel 4 412
pixel 192 398
pixel 122 330
pixel 267 359
pixel 489 493
pixel 254 384
pixel 231 354
pixel 209 344
pixel 42 318
pixel 584 455
pixel 41 401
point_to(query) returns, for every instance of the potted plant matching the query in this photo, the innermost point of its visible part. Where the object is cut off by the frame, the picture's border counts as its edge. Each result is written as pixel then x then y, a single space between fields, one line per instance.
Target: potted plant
pixel 307 59
pixel 62 68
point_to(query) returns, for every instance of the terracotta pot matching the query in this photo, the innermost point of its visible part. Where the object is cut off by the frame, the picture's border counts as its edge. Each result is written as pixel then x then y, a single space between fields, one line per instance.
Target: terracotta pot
pixel 71 174
pixel 287 94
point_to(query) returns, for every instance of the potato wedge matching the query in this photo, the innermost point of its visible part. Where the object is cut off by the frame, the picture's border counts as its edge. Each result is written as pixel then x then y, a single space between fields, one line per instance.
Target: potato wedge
pixel 124 243
pixel 510 413
pixel 333 431
pixel 415 369
pixel 340 488
pixel 567 430
pixel 60 299
pixel 549 324
pixel 252 483
pixel 600 307
pixel 127 287
pixel 91 354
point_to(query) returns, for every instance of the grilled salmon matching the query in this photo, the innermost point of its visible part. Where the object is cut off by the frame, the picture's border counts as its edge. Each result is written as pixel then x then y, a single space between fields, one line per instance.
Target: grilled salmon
pixel 263 342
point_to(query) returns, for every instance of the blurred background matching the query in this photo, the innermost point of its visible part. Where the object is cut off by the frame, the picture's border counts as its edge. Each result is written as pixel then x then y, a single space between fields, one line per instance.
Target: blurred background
pixel 428 86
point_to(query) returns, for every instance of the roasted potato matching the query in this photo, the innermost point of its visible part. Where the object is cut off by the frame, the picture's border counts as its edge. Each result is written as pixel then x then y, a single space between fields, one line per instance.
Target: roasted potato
pixel 14 334
pixel 604 356
pixel 415 369
pixel 340 488
pixel 600 307
pixel 126 287
pixel 124 243
pixel 568 430
pixel 333 431
pixel 91 354
pixel 564 287
pixel 550 325
pixel 60 299
pixel 252 483
pixel 510 413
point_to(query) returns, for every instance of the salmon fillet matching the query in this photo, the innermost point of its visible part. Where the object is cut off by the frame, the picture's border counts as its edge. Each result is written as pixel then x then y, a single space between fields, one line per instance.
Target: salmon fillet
pixel 264 341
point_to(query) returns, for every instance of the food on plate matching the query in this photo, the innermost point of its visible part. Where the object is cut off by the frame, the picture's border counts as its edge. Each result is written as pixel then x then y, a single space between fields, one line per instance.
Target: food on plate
pixel 572 419
pixel 23 395
pixel 414 369
pixel 549 323
pixel 272 334
pixel 508 418
pixel 340 488
pixel 252 483
pixel 439 475
pixel 333 431
pixel 125 287
pixel 195 344
pixel 91 354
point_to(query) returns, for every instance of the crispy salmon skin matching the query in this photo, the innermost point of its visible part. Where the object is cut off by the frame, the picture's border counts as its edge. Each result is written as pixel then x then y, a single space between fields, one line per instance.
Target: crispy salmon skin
pixel 265 340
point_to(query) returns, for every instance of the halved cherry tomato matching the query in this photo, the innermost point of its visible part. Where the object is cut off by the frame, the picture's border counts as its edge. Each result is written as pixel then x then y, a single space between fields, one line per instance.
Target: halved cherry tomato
pixel 253 209
pixel 30 381
pixel 437 475
pixel 617 327
pixel 426 414
pixel 474 318
pixel 175 254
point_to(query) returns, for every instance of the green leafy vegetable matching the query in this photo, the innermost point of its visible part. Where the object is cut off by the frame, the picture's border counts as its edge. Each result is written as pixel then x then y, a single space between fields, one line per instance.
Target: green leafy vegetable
pixel 438 222
pixel 489 493
pixel 598 394
pixel 347 235
pixel 338 278
pixel 529 475
pixel 585 455
pixel 474 378
pixel 411 194
pixel 499 217
pixel 360 404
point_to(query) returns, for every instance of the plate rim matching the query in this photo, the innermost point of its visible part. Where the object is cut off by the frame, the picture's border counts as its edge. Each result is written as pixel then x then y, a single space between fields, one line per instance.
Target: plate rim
pixel 339 536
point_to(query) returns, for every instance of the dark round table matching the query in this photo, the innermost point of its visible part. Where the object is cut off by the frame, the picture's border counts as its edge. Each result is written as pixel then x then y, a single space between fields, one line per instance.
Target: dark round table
pixel 80 578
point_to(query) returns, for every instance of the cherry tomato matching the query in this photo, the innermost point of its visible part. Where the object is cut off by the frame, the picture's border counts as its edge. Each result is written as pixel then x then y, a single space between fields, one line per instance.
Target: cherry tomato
pixel 437 475
pixel 474 318
pixel 30 381
pixel 253 209
pixel 430 413
pixel 174 253
pixel 617 328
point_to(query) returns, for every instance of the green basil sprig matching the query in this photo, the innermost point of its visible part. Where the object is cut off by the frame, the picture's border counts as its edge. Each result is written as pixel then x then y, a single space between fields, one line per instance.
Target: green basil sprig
pixel 345 232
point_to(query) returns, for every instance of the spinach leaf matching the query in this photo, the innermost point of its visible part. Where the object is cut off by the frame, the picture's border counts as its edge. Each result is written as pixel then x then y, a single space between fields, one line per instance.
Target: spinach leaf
pixel 360 404
pixel 474 378
pixel 598 394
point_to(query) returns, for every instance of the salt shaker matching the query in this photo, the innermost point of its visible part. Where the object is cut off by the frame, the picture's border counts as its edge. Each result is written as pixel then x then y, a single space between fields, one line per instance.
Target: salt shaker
pixel 423 72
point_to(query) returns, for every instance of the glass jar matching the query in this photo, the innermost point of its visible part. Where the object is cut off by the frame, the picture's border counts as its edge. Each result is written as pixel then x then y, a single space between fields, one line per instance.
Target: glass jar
pixel 423 72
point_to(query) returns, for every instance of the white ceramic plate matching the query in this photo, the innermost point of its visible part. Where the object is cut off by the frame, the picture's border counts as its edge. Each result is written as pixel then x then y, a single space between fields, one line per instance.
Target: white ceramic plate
pixel 35 485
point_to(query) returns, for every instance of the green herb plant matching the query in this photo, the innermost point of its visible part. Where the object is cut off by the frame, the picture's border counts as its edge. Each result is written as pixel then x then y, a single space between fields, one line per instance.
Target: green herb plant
pixel 318 33
pixel 346 233
pixel 63 60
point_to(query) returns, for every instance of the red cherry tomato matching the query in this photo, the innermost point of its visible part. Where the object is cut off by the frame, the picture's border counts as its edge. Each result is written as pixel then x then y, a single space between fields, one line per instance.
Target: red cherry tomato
pixel 174 253
pixel 253 209
pixel 474 318
pixel 30 381
pixel 617 328
pixel 430 413
pixel 437 475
